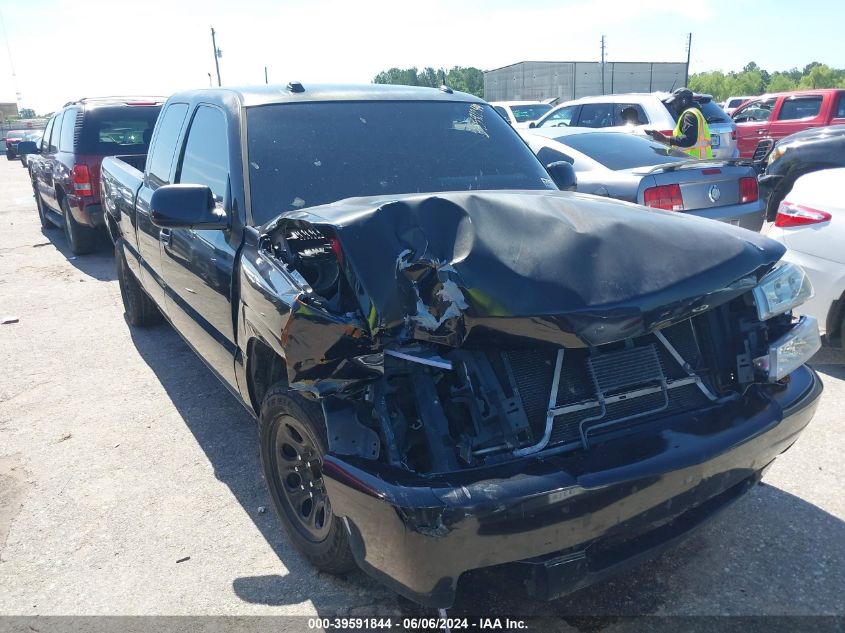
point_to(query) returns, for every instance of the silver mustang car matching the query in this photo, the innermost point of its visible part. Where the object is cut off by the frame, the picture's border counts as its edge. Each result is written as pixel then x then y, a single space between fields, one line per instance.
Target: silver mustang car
pixel 636 169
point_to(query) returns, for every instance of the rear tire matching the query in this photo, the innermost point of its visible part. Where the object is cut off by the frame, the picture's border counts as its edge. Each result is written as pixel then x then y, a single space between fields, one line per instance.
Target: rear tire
pixel 81 239
pixel 138 309
pixel 292 432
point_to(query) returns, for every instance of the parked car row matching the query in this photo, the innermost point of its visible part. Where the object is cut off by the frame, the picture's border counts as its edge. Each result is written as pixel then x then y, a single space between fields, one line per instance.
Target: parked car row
pixel 453 363
pixel 764 120
pixel 65 166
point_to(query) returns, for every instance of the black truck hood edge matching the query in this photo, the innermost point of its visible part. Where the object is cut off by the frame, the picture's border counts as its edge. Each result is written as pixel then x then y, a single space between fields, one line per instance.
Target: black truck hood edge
pixel 567 269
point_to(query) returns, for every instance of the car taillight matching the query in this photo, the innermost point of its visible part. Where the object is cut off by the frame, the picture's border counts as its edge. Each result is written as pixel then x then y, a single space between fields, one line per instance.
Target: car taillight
pixel 733 135
pixel 81 179
pixel 790 214
pixel 748 189
pixel 666 197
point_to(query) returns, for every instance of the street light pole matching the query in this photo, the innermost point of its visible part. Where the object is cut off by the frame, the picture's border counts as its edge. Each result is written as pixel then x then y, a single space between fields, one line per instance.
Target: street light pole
pixel 216 56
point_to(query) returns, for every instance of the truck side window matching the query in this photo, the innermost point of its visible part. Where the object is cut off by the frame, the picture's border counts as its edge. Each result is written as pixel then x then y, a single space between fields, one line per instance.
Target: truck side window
pixel 164 146
pixel 54 136
pixel 205 160
pixel 800 108
pixel 45 140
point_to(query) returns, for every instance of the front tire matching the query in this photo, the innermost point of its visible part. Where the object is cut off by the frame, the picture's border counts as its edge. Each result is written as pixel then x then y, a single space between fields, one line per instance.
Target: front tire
pixel 293 441
pixel 139 309
pixel 81 239
pixel 42 214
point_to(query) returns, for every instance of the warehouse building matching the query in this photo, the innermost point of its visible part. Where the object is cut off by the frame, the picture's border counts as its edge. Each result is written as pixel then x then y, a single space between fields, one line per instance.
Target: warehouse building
pixel 537 81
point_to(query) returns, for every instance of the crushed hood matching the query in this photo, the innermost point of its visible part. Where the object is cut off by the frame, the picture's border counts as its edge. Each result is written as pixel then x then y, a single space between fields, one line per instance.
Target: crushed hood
pixel 568 269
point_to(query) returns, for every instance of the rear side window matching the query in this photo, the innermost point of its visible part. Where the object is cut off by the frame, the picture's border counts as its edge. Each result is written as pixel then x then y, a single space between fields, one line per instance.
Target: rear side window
pixel 800 108
pixel 596 115
pixel 111 130
pixel 502 112
pixel 161 156
pixel 624 113
pixel 68 130
pixel 206 157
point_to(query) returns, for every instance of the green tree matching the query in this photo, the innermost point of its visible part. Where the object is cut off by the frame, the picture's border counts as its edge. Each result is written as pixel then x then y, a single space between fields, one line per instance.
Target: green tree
pixel 468 79
pixel 27 113
pixel 821 76
pixel 464 79
pixel 781 82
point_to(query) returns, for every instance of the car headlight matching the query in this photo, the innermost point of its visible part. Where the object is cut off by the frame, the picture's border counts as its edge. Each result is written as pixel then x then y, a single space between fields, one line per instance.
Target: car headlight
pixel 791 350
pixel 776 153
pixel 781 290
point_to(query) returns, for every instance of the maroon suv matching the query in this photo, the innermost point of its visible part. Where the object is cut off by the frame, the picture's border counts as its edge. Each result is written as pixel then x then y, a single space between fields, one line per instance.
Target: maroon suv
pixel 66 172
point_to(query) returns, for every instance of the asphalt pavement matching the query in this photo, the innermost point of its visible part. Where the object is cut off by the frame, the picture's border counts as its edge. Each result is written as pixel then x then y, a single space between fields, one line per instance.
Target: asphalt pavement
pixel 130 482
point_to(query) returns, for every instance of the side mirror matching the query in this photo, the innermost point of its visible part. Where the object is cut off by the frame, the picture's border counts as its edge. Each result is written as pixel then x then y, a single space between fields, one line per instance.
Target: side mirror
pixel 563 175
pixel 532 125
pixel 186 207
pixel 27 147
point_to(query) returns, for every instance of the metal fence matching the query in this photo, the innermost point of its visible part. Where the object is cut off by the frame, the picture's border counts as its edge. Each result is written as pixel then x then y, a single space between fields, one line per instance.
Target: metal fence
pixel 537 81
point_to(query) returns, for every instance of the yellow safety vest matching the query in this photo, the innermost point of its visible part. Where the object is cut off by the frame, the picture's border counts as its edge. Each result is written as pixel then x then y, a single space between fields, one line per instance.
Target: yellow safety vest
pixel 702 148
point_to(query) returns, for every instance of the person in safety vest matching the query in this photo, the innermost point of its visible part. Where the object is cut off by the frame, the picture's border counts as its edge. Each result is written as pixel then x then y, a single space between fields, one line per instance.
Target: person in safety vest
pixel 691 135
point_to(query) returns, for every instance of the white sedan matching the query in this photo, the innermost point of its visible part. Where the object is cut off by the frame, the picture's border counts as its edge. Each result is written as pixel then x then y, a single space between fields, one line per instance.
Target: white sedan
pixel 811 224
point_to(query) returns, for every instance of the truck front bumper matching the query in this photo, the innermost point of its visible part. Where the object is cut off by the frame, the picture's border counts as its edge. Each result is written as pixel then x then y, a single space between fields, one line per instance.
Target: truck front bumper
pixel 568 520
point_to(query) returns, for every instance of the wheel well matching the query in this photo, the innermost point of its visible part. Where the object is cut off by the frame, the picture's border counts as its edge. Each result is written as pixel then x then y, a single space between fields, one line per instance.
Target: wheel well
pixel 833 325
pixel 264 369
pixel 60 195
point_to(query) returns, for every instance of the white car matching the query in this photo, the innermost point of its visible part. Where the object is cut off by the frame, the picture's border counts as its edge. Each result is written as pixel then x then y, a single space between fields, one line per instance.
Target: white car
pixel 732 103
pixel 652 114
pixel 811 224
pixel 520 113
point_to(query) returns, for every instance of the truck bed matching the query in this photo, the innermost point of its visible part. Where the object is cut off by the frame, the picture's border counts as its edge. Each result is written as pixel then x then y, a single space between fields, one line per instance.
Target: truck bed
pixel 121 178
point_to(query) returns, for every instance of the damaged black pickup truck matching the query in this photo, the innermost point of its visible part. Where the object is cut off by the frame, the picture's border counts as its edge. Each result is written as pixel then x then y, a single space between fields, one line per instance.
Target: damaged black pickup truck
pixel 454 365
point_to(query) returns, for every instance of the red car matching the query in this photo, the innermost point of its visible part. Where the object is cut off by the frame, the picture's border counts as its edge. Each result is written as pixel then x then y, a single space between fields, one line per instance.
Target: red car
pixel 12 138
pixel 762 121
pixel 66 171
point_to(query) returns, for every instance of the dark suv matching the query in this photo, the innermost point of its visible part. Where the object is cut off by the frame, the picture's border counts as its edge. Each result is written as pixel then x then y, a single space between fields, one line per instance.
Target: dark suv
pixel 66 173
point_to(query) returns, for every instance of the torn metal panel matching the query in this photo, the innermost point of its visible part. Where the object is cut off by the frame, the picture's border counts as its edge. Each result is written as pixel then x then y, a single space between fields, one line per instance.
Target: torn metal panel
pixel 322 350
pixel 566 269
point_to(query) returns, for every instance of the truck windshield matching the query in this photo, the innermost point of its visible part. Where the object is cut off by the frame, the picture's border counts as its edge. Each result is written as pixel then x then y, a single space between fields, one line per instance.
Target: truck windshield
pixel 307 154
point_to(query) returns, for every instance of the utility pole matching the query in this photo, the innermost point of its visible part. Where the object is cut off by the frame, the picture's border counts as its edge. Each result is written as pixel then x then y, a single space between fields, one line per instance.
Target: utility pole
pixel 217 55
pixel 11 63
pixel 265 75
pixel 602 64
pixel 209 80
pixel 689 51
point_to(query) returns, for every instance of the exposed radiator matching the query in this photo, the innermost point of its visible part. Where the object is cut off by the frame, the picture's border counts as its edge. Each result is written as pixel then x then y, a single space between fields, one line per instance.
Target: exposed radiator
pixel 613 387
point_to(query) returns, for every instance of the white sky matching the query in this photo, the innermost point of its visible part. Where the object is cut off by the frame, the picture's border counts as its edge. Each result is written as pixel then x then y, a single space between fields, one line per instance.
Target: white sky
pixel 66 49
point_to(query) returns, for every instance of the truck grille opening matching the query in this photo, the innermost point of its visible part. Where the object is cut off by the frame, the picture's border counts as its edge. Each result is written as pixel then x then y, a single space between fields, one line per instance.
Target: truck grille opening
pixel 492 405
pixel 638 382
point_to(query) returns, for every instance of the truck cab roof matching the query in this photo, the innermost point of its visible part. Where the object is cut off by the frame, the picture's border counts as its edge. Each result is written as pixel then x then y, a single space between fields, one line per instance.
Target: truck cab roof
pixel 295 92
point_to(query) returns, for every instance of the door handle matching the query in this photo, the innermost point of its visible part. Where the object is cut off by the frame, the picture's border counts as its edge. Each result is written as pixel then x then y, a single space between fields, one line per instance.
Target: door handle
pixel 164 236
